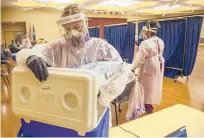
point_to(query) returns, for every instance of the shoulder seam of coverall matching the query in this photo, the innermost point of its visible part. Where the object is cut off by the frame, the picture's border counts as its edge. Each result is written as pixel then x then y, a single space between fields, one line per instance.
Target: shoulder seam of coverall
pixel 56 41
pixel 143 45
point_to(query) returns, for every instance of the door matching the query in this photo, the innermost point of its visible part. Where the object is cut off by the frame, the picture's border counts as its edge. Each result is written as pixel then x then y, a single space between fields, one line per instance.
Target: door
pixel 9 36
pixel 12 35
pixel 11 31
pixel 18 37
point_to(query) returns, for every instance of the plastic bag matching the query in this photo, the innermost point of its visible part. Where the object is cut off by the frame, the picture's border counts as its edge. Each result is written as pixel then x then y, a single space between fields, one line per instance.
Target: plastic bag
pixel 136 102
pixel 113 77
pixel 106 71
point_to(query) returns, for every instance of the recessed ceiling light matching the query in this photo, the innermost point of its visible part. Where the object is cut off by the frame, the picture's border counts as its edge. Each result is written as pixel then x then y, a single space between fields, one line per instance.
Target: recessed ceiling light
pixel 121 3
pixel 13 22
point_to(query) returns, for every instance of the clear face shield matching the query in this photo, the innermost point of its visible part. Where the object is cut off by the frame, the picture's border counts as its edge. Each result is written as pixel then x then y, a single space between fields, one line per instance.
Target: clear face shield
pixel 74 29
pixel 143 33
pixel 148 28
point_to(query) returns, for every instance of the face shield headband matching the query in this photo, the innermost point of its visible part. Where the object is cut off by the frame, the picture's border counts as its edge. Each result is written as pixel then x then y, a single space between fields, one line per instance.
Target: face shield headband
pixel 74 37
pixel 71 18
pixel 147 28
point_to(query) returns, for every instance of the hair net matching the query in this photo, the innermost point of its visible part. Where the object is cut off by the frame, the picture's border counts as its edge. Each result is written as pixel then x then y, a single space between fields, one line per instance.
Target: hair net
pixel 71 10
pixel 152 26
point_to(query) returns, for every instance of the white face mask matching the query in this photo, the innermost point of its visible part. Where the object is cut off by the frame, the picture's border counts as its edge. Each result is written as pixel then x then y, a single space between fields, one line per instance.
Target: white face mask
pixel 77 38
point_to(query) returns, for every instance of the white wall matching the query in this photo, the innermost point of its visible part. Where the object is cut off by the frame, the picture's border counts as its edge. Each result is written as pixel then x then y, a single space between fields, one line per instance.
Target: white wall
pixel 45 19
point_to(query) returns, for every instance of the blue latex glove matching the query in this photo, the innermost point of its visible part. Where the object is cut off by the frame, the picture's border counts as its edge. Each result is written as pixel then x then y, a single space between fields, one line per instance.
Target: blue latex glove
pixel 38 66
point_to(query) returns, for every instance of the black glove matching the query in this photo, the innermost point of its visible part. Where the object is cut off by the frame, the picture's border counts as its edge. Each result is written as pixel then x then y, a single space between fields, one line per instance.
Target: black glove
pixel 38 66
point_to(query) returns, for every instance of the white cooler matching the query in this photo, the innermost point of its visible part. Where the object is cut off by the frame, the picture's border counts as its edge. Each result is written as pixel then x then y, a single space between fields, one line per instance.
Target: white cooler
pixel 64 105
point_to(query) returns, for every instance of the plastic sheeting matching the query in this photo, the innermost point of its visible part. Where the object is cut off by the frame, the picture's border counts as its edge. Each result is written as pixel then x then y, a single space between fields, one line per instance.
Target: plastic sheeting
pixel 113 78
pixel 106 71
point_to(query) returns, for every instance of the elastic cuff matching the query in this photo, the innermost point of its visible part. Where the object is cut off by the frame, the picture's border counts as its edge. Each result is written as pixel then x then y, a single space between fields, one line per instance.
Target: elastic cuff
pixel 30 58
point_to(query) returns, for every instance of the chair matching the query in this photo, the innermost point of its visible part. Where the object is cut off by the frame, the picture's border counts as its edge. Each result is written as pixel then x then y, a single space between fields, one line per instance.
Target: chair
pixel 6 63
pixel 125 60
pixel 5 78
pixel 4 75
pixel 123 97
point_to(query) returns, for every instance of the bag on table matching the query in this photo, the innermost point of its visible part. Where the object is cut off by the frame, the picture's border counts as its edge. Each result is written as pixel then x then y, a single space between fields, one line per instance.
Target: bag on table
pixel 136 102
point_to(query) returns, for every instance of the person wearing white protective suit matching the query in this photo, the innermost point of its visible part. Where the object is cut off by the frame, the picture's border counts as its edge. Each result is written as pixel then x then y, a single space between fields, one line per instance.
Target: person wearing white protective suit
pixel 75 48
pixel 26 44
pixel 150 62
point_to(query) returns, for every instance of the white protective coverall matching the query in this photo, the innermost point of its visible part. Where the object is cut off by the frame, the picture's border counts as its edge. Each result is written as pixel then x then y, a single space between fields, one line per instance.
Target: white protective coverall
pixel 59 54
pixel 151 63
pixel 26 44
